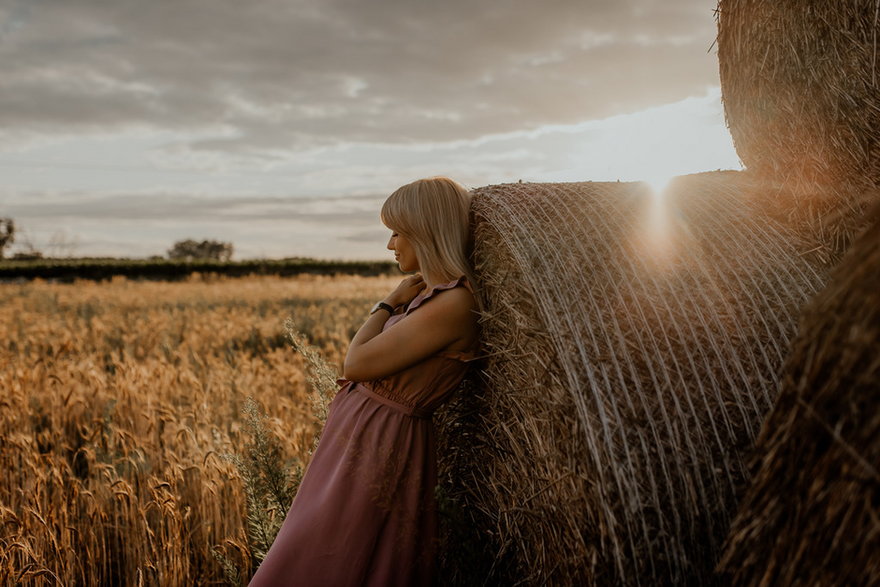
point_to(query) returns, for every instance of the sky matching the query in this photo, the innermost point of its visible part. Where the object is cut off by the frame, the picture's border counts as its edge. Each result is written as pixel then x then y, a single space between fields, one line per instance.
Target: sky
pixel 281 125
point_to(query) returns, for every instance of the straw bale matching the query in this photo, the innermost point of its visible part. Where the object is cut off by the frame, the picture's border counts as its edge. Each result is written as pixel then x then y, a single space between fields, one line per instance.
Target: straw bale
pixel 800 83
pixel 823 223
pixel 632 349
pixel 812 514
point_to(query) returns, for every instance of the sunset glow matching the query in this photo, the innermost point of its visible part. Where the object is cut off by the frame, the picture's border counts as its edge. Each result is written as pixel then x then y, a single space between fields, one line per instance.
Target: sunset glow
pixel 286 145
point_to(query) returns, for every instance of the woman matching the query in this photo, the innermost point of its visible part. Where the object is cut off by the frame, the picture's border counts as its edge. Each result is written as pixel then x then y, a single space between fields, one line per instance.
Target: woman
pixel 365 512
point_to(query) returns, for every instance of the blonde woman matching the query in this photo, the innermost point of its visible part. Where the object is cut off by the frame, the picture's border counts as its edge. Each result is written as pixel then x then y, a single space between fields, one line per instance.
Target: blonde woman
pixel 365 512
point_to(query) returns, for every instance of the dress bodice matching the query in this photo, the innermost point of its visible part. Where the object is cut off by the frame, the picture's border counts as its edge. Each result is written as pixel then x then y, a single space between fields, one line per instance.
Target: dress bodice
pixel 422 387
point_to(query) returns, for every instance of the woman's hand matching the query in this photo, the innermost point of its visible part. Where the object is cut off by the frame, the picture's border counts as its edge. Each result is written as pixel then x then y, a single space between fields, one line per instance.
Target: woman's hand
pixel 408 289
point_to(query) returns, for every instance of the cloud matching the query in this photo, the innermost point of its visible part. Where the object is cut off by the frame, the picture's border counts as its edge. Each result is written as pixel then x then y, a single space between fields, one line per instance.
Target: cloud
pixel 134 124
pixel 278 75
pixel 351 210
pixel 148 223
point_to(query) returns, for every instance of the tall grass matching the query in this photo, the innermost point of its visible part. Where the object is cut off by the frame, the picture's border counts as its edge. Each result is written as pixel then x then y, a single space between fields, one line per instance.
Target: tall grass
pixel 270 484
pixel 118 401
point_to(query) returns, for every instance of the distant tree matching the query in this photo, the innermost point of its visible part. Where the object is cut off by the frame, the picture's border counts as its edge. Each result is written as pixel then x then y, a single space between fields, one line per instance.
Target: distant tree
pixel 31 255
pixel 189 250
pixel 7 234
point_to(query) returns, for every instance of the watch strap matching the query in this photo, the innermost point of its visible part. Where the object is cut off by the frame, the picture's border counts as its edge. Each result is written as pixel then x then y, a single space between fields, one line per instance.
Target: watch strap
pixel 382 306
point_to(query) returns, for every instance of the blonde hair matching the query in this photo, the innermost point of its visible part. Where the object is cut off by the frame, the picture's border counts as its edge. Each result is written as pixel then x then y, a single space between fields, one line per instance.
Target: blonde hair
pixel 434 215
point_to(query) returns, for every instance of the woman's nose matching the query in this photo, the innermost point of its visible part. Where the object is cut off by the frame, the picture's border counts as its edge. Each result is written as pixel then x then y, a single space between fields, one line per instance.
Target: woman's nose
pixel 390 245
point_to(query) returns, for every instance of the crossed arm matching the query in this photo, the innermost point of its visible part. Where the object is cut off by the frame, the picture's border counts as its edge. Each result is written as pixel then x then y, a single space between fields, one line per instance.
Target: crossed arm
pixel 448 319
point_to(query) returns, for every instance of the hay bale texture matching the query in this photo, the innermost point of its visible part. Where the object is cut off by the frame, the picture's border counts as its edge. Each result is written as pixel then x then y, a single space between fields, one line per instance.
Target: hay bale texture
pixel 812 513
pixel 632 349
pixel 800 83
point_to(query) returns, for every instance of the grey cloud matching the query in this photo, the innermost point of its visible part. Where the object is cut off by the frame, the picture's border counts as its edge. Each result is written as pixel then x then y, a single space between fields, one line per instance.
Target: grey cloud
pixel 146 224
pixel 293 75
pixel 349 210
pixel 366 236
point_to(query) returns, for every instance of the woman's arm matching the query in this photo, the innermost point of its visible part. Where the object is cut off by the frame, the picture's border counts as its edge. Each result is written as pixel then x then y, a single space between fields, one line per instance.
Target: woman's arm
pixel 405 292
pixel 448 318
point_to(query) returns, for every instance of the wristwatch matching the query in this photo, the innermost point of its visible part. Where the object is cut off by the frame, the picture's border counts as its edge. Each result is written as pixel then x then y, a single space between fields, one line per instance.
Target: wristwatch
pixel 382 306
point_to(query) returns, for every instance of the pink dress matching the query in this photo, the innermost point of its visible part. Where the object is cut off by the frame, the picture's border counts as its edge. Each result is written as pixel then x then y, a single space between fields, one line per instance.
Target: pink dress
pixel 365 512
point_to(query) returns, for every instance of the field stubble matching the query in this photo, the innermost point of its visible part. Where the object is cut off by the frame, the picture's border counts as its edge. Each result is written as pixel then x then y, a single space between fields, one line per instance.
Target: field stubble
pixel 119 401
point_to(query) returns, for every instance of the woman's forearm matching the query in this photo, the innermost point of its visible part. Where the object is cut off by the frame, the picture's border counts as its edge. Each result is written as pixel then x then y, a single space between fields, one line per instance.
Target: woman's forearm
pixel 369 329
pixel 403 293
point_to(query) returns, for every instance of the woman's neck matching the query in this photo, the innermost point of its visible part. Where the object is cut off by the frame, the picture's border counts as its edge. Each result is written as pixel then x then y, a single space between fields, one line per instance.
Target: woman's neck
pixel 432 280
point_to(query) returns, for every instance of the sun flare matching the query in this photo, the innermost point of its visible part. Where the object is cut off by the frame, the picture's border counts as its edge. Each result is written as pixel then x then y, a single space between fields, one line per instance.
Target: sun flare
pixel 658 183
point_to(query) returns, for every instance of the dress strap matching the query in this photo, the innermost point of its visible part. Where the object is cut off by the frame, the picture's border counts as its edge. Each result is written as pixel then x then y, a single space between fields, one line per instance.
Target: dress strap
pixel 420 299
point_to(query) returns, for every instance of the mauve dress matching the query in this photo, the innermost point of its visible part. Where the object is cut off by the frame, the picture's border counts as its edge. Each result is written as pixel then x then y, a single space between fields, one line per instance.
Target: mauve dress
pixel 365 512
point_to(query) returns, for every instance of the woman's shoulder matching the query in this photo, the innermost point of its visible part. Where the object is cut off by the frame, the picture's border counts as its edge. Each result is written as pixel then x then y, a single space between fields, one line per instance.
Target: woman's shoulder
pixel 455 306
pixel 459 297
pixel 454 294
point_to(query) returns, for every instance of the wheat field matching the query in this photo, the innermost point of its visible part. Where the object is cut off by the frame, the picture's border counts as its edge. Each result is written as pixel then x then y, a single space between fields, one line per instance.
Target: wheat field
pixel 120 403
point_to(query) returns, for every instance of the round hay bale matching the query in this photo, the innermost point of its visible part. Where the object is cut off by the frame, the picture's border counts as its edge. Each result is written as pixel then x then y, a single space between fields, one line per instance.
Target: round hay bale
pixel 800 84
pixel 822 224
pixel 632 348
pixel 810 517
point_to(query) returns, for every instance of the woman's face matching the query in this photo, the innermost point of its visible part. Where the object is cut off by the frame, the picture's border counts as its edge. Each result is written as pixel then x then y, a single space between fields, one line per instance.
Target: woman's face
pixel 404 253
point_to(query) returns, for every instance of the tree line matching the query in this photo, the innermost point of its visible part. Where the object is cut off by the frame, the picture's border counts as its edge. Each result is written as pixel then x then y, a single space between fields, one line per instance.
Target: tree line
pixel 183 250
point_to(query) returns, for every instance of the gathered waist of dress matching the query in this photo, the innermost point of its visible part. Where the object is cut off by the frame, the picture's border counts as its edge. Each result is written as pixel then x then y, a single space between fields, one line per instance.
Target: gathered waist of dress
pixel 411 411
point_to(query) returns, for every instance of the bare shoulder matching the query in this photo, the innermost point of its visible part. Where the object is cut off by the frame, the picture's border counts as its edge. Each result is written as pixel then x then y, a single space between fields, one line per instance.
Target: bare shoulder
pixel 454 308
pixel 451 313
pixel 456 301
